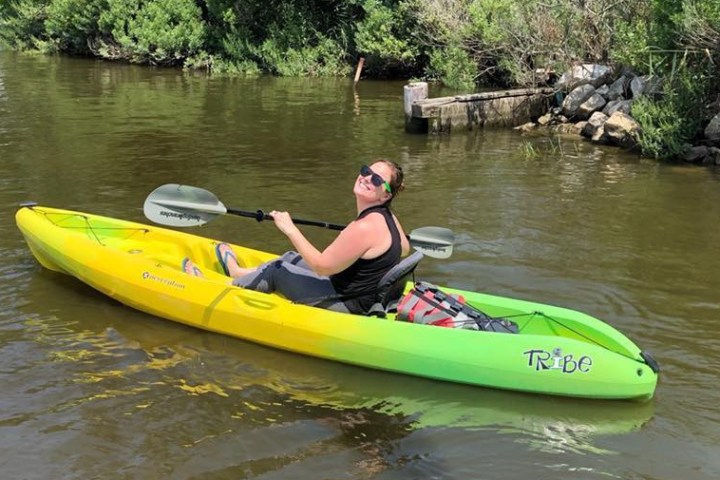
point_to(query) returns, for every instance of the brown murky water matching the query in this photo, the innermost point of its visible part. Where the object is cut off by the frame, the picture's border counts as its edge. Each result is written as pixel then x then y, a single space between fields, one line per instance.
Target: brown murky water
pixel 92 389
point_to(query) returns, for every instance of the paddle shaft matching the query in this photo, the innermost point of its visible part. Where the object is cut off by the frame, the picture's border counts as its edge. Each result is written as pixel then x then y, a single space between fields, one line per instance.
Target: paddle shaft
pixel 259 215
pixel 426 245
pixel 186 206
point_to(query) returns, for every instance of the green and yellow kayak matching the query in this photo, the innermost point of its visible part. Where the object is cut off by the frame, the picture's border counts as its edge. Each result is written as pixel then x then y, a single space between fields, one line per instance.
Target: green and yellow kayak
pixel 557 351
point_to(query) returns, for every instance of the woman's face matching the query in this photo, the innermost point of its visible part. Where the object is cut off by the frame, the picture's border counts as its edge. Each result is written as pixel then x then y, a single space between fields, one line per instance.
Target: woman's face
pixel 367 190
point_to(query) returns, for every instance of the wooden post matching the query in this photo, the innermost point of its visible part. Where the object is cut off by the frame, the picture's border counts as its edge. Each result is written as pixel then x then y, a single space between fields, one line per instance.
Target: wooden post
pixel 359 69
pixel 412 93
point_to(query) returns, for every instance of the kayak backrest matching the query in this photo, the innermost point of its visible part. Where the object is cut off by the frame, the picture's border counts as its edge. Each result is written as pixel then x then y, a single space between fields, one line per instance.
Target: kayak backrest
pixel 391 286
pixel 388 291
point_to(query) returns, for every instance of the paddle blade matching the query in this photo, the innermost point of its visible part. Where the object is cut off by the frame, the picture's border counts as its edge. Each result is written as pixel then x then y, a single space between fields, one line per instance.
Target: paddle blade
pixel 436 242
pixel 182 206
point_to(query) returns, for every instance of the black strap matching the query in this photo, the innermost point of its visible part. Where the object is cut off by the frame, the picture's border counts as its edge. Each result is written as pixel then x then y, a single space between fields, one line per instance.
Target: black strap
pixel 455 306
pixel 481 319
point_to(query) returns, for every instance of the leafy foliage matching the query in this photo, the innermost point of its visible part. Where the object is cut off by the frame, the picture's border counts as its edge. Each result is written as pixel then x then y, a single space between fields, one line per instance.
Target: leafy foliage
pixel 386 38
pixel 454 66
pixel 462 43
pixel 280 37
pixel 670 120
pixel 22 23
pixel 294 47
pixel 159 32
pixel 70 22
pixel 494 42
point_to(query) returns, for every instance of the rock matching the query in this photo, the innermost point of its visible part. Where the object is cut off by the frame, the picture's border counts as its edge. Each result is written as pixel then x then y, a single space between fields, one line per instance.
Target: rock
pixel 715 155
pixel 587 73
pixel 623 106
pixel 603 90
pixel 712 131
pixel 621 129
pixel 645 85
pixel 545 120
pixel 596 122
pixel 577 97
pixel 696 154
pixel 600 136
pixel 594 103
pixel 525 127
pixel 579 126
pixel 564 128
pixel 618 89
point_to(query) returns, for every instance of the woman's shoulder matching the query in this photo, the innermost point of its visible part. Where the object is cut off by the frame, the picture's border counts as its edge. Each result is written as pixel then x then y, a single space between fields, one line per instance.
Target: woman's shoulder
pixel 373 217
pixel 371 225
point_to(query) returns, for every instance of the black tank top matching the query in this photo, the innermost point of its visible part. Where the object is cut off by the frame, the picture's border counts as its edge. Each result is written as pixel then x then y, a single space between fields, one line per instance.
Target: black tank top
pixel 365 274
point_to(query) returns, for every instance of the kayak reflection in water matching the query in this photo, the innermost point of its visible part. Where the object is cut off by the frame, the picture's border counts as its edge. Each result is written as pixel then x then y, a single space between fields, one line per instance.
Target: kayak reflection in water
pixel 350 266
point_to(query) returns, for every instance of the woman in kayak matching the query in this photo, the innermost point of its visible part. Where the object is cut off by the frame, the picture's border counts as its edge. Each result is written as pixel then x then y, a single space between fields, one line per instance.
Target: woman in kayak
pixel 343 276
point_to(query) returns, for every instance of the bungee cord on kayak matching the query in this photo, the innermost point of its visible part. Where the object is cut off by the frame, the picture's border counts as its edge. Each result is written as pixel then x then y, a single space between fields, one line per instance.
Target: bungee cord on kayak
pixel 88 226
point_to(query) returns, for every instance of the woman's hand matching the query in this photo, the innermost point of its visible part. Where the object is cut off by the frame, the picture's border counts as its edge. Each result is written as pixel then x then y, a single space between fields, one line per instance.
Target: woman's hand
pixel 283 222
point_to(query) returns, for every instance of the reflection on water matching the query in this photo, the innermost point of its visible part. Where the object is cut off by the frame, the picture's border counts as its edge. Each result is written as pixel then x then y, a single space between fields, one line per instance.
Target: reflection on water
pixel 203 391
pixel 91 387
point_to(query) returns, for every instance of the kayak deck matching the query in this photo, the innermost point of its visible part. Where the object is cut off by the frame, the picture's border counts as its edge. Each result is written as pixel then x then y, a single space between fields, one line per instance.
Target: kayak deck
pixel 557 351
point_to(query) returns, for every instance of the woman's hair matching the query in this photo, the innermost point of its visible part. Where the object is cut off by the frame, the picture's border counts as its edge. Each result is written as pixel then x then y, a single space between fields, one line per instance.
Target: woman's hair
pixel 397 184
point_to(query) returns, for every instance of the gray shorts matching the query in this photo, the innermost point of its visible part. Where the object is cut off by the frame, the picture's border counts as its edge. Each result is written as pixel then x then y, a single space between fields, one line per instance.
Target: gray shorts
pixel 290 276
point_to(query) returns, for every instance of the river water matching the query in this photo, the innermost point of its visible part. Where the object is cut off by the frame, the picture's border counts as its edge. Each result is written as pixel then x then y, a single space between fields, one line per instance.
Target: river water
pixel 93 389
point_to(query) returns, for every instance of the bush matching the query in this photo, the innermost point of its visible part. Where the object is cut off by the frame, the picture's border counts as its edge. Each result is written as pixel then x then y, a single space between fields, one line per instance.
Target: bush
pixel 700 33
pixel 159 32
pixel 70 23
pixel 454 67
pixel 509 39
pixel 385 37
pixel 323 57
pixel 295 49
pixel 287 38
pixel 671 120
pixel 22 23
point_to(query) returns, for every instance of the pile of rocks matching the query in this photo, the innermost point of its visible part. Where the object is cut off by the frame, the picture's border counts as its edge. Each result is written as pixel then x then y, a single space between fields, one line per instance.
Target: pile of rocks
pixel 592 102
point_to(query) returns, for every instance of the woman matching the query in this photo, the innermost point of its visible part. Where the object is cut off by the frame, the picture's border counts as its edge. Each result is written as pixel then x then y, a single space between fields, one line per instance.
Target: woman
pixel 343 276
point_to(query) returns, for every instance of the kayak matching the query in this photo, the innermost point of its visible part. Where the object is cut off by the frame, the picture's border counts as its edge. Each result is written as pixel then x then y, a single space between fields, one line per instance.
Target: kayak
pixel 556 351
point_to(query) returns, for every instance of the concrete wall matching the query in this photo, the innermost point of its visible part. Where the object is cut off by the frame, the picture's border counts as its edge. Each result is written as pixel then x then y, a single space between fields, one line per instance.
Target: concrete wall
pixel 506 108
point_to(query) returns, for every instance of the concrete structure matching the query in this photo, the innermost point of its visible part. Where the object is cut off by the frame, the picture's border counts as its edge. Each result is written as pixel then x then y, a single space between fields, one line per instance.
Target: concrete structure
pixel 504 108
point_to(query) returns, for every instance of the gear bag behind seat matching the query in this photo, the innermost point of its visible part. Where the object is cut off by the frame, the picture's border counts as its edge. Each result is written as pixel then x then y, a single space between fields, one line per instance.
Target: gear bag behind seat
pixel 426 303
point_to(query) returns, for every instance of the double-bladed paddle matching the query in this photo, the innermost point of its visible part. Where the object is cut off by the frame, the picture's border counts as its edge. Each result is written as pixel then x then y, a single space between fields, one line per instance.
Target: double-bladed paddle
pixel 185 206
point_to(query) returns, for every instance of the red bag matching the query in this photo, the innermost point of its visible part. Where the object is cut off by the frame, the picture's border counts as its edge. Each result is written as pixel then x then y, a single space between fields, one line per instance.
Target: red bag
pixel 425 303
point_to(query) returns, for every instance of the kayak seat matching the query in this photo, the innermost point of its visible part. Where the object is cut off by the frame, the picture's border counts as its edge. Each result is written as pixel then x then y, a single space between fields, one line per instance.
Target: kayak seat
pixel 388 292
pixel 392 285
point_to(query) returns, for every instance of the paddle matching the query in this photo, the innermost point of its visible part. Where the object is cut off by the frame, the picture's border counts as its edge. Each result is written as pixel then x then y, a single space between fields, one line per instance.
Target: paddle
pixel 185 206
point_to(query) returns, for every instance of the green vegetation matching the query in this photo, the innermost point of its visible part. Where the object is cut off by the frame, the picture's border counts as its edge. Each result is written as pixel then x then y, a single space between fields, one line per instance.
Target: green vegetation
pixel 462 43
pixel 672 119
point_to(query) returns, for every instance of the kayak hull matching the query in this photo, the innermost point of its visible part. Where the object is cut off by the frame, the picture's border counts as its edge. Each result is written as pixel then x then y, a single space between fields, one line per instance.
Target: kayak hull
pixel 558 351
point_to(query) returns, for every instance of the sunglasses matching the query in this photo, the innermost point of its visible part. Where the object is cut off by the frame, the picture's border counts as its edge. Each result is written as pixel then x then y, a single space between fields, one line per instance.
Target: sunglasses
pixel 375 179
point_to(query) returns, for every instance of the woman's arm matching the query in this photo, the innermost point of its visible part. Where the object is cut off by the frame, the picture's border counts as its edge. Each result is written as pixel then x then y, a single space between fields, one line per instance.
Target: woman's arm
pixel 352 243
